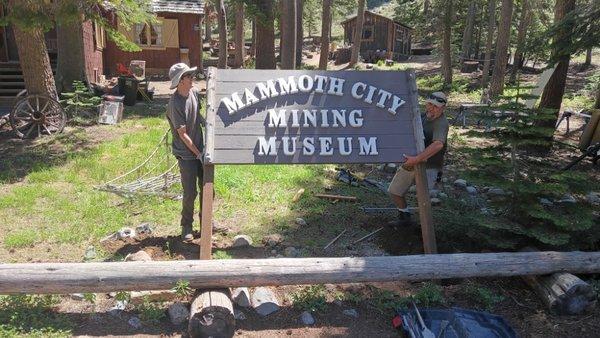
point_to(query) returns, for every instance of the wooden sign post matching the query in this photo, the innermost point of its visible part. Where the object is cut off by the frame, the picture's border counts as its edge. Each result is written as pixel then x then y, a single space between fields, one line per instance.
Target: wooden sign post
pixel 304 117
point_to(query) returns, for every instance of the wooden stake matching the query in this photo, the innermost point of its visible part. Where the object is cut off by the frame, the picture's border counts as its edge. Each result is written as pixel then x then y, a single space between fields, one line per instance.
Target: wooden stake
pixel 337 197
pixel 207 212
pixel 335 239
pixel 427 230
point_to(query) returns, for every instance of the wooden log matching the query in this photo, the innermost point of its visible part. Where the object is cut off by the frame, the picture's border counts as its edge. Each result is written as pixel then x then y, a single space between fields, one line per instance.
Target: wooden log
pixel 61 278
pixel 563 293
pixel 211 315
pixel 337 197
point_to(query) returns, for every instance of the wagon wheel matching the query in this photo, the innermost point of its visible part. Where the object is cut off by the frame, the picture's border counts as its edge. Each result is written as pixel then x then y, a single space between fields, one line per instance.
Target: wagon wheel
pixel 35 115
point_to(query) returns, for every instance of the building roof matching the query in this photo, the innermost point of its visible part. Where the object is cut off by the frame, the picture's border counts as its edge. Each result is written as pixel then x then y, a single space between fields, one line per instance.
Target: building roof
pixel 353 16
pixel 178 6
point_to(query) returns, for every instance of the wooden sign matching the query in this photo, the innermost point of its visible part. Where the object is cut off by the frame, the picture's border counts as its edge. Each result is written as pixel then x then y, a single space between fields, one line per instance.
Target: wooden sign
pixel 295 116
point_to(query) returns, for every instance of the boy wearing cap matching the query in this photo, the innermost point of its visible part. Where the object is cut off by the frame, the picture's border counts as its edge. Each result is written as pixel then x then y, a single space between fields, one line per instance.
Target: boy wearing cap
pixel 183 113
pixel 435 130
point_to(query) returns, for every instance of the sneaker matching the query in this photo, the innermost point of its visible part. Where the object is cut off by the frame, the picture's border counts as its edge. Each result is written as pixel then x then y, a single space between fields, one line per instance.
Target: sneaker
pixel 403 221
pixel 186 233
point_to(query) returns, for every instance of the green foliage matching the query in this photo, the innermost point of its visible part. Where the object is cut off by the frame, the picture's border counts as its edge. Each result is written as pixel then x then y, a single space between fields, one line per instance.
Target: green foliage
pixel 151 312
pixel 32 315
pixel 310 298
pixel 484 296
pixel 182 289
pixel 507 164
pixel 89 297
pixel 81 102
pixel 123 296
pixel 221 254
pixel 429 294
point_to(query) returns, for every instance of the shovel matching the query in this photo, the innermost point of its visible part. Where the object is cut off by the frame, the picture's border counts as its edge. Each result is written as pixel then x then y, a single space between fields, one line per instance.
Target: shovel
pixel 424 330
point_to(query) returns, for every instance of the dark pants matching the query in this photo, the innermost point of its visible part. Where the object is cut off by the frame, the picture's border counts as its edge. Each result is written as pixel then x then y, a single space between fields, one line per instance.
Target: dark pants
pixel 191 180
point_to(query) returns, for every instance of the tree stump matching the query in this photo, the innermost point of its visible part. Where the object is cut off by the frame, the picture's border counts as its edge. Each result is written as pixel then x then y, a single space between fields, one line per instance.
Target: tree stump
pixel 469 67
pixel 563 293
pixel 211 315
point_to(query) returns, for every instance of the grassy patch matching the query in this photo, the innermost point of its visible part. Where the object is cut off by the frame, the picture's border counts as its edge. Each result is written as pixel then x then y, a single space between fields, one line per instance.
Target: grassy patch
pixel 310 298
pixel 32 316
pixel 483 295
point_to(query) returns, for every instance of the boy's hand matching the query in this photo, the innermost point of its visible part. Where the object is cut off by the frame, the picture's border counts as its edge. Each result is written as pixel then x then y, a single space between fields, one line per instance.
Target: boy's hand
pixel 411 161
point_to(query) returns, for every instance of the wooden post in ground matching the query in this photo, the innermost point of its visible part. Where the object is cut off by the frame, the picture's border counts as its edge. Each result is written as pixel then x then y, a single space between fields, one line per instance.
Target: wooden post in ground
pixel 211 315
pixel 209 168
pixel 425 215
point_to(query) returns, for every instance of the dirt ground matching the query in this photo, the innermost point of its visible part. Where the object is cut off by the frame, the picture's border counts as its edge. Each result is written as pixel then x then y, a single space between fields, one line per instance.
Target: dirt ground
pixel 520 307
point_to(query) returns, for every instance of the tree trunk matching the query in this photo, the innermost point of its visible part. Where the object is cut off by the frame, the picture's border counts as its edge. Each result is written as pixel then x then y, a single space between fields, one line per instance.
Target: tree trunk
pixel 588 58
pixel 240 47
pixel 497 82
pixel 555 88
pixel 71 61
pixel 446 47
pixel 288 34
pixel 426 5
pixel 207 30
pixel 323 58
pixel 597 104
pixel 358 30
pixel 488 42
pixel 521 33
pixel 468 34
pixel 253 48
pixel 33 56
pixel 222 35
pixel 299 32
pixel 265 36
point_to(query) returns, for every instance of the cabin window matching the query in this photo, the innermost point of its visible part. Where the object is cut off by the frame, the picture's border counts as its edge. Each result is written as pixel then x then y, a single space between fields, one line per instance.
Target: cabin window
pixel 99 36
pixel 399 34
pixel 148 35
pixel 367 33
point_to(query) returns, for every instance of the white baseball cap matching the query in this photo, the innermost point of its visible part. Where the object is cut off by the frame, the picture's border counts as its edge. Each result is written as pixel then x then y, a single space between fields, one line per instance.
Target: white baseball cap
pixel 437 99
pixel 177 71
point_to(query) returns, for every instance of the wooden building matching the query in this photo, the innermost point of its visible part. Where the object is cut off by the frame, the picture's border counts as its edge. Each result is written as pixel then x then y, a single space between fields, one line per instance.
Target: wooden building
pixel 391 38
pixel 175 38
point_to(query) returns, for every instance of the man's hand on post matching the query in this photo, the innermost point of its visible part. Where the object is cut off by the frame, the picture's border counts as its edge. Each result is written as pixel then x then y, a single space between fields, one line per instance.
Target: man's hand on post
pixel 411 161
pixel 200 157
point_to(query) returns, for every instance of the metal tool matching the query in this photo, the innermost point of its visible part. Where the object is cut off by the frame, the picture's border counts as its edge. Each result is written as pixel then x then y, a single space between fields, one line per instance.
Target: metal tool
pixel 424 330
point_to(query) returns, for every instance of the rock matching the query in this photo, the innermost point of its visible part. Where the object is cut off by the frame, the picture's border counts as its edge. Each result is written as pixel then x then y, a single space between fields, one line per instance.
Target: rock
pixel 290 251
pixel 460 183
pixel 442 195
pixel 241 296
pixel 140 256
pixel 90 253
pixel 306 318
pixel 495 192
pixel 546 202
pixel 300 221
pixel 568 199
pixel 220 228
pixel 143 228
pixel 337 302
pixel 178 313
pixel 434 193
pixel 239 315
pixel 369 66
pixel 389 62
pixel 593 198
pixel 471 190
pixel 125 233
pixel 351 312
pixel 391 168
pixel 240 241
pixel 436 201
pixel 412 189
pixel 272 240
pixel 264 301
pixel 77 296
pixel 138 297
pixel 135 322
pixel 279 256
pixel 115 313
pixel 381 167
pixel 273 252
pixel 120 305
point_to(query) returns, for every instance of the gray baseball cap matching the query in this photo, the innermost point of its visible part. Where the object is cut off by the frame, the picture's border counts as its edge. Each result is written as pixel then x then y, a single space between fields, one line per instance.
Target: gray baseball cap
pixel 437 99
pixel 177 71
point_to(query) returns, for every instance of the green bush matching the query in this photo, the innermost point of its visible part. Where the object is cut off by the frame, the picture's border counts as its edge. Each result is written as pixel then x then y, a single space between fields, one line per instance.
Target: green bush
pixel 311 298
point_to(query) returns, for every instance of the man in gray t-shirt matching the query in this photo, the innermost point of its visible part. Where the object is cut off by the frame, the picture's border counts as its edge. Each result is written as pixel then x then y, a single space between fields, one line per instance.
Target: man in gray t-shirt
pixel 183 113
pixel 435 130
